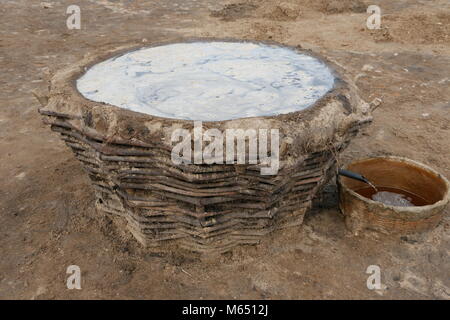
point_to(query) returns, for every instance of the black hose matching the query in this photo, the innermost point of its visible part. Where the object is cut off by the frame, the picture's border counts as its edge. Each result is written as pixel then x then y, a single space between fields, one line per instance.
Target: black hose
pixel 352 175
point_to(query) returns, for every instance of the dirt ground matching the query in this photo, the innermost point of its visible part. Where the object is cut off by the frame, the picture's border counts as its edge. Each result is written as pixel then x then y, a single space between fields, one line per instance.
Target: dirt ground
pixel 47 217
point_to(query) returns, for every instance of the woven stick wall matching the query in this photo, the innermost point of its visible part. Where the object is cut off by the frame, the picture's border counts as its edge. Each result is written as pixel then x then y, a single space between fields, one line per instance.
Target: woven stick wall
pixel 203 208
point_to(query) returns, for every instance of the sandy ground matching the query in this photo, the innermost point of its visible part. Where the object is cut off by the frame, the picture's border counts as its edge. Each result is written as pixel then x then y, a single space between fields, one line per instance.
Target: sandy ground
pixel 47 220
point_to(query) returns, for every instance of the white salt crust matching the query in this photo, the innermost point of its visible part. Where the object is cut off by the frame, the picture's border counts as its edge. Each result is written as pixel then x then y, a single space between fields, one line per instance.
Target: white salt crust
pixel 209 81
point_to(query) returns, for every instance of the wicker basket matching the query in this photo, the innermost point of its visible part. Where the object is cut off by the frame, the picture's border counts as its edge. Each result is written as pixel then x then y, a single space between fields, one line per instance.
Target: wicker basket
pixel 204 208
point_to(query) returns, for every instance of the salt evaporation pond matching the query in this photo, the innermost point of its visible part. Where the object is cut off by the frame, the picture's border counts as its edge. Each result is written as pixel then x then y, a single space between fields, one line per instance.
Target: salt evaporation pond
pixel 209 81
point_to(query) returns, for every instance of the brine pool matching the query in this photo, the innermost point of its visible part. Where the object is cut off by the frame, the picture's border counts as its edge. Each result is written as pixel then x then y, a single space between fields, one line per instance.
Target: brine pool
pixel 209 81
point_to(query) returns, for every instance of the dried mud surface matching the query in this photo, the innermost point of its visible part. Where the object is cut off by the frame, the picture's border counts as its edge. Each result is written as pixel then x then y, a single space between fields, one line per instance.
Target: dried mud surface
pixel 47 216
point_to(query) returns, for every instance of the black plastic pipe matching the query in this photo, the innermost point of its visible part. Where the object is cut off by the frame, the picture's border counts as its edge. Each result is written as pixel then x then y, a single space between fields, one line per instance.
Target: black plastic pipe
pixel 353 175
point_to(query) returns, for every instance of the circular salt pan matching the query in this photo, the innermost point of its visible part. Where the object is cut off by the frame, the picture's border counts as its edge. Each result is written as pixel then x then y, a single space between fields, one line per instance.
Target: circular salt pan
pixel 209 81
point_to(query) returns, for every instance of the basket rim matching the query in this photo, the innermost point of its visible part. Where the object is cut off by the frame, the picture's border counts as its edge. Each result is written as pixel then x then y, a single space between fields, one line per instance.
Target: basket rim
pixel 341 103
